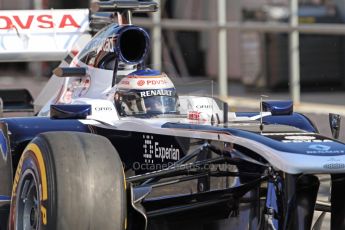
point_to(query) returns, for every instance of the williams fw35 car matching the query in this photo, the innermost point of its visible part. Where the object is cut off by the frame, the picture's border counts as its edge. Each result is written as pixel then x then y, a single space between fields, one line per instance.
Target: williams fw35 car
pixel 117 147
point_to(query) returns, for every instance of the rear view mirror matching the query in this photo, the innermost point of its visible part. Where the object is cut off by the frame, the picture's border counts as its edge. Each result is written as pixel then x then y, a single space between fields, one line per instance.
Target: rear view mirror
pixel 334 123
pixel 278 108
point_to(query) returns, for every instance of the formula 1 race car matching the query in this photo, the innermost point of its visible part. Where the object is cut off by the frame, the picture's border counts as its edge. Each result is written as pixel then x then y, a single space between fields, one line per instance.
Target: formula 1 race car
pixel 117 147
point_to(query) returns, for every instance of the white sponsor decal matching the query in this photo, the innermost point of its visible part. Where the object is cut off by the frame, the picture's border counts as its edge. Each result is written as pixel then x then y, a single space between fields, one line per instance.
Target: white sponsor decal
pixel 158 92
pixel 203 106
pixel 108 45
pixel 320 147
pixel 300 137
pixel 154 150
pixel 103 109
pixel 323 149
pixel 306 141
pixel 332 159
pixel 102 44
pixel 285 134
pixel 328 152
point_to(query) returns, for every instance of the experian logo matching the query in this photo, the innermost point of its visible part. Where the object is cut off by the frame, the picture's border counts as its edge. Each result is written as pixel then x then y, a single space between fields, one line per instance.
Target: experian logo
pixel 153 149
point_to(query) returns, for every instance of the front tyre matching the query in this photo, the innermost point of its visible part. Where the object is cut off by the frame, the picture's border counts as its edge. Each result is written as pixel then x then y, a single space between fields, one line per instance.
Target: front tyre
pixel 67 180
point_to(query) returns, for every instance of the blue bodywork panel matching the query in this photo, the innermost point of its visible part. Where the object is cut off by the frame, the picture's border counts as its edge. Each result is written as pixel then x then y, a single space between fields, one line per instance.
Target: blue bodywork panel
pixel 295 119
pixel 70 111
pixel 26 128
pixel 278 107
pixel 278 140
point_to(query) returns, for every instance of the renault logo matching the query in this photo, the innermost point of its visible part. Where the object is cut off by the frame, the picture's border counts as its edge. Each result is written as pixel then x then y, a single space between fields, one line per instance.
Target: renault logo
pixel 320 147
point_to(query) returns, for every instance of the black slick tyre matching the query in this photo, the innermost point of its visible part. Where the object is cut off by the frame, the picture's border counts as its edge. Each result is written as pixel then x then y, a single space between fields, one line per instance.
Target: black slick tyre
pixel 67 180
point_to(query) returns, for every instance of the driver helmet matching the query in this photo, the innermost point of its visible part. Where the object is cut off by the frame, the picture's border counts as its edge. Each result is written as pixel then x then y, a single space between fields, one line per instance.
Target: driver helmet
pixel 146 92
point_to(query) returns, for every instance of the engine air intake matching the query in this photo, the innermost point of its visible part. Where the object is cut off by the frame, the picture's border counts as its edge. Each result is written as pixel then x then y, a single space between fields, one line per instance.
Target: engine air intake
pixel 133 45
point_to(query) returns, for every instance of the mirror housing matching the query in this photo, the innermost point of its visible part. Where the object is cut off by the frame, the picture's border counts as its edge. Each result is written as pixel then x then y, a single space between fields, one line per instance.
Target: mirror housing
pixel 70 111
pixel 278 108
pixel 334 123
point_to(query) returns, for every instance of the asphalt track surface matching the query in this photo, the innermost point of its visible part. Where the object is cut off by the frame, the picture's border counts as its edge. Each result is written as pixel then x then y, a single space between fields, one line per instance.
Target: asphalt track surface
pixel 316 105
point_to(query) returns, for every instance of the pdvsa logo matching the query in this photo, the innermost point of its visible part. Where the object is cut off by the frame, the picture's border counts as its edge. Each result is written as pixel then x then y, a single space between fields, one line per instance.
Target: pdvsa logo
pixel 44 21
pixel 141 83
pixel 156 82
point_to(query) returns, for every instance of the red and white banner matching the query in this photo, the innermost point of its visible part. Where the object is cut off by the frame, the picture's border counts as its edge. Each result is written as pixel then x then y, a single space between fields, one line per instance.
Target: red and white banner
pixel 38 35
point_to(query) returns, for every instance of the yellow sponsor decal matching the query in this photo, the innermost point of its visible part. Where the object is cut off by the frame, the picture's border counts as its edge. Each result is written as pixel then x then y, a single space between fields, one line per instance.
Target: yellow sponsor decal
pixel 17 176
pixel 44 215
pixel 44 196
pixel 37 152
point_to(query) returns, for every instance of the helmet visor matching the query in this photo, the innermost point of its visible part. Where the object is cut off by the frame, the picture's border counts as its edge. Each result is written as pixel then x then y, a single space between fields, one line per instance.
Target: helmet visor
pixel 160 105
pixel 149 102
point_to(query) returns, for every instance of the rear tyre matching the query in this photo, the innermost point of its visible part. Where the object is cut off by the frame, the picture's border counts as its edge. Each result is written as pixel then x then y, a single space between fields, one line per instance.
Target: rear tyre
pixel 67 180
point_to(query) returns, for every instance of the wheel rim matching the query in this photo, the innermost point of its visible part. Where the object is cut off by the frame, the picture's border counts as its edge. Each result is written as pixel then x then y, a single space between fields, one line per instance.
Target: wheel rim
pixel 27 205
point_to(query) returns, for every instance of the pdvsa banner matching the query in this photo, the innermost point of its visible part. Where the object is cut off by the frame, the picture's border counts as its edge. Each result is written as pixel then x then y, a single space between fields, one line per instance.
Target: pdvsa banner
pixel 37 35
